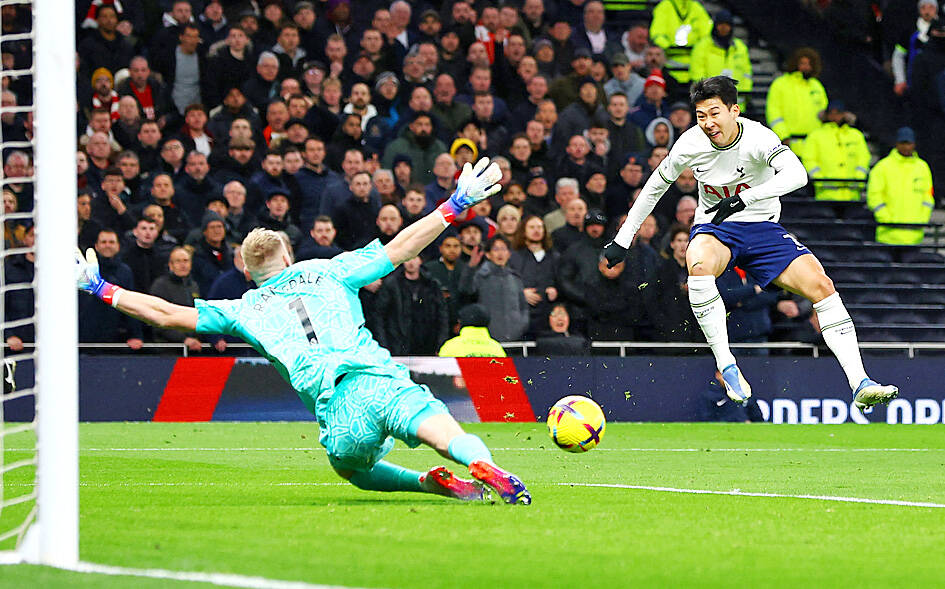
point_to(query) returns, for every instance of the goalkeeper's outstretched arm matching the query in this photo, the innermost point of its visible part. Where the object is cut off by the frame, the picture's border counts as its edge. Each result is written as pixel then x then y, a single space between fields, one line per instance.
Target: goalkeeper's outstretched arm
pixel 475 184
pixel 145 307
pixel 156 310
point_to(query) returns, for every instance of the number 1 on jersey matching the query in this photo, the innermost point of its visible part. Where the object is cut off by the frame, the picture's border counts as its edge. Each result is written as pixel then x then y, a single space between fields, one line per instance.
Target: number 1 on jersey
pixel 299 307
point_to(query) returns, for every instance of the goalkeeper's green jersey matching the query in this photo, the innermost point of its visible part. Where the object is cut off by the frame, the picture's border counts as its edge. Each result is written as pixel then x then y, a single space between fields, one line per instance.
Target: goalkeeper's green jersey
pixel 307 320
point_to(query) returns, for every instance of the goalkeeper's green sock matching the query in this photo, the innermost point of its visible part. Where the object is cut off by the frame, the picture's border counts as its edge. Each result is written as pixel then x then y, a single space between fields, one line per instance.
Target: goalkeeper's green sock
pixel 386 476
pixel 467 448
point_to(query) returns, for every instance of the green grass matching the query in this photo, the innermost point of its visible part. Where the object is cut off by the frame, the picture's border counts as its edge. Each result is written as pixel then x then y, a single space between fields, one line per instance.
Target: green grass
pixel 262 501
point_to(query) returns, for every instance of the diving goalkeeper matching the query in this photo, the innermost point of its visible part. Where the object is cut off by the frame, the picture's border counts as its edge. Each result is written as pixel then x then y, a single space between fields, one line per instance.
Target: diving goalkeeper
pixel 307 320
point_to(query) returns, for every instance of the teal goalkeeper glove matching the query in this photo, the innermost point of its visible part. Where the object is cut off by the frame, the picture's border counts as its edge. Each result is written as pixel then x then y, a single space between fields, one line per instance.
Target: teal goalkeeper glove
pixel 89 280
pixel 474 184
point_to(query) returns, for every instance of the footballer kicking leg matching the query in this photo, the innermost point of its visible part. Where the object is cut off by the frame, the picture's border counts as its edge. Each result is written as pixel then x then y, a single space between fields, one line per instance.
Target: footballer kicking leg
pixel 443 434
pixel 707 258
pixel 805 276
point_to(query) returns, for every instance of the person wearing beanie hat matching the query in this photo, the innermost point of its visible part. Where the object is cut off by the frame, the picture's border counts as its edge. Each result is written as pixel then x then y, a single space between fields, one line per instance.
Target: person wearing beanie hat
pixel 677 27
pixel 212 255
pixel 903 55
pixel 652 103
pixel 103 93
pixel 721 54
pixel 900 191
pixel 743 169
pixel 466 144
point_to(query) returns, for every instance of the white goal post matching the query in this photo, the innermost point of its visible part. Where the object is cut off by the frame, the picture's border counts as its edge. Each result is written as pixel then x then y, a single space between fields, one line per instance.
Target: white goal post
pixel 53 539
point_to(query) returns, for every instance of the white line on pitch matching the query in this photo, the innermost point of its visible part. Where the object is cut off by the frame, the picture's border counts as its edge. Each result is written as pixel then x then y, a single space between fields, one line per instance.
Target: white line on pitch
pixel 524 449
pixel 740 493
pixel 225 579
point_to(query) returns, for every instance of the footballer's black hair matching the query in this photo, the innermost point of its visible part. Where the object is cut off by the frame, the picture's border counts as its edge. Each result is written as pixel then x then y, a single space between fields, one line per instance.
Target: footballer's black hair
pixel 721 87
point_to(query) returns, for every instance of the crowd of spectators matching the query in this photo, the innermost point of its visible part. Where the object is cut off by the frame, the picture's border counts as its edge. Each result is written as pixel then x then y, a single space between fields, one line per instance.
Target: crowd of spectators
pixel 339 122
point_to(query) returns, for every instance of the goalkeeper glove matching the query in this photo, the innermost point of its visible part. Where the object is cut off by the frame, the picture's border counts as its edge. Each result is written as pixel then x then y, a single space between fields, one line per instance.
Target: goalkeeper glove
pixel 89 280
pixel 726 208
pixel 615 253
pixel 474 184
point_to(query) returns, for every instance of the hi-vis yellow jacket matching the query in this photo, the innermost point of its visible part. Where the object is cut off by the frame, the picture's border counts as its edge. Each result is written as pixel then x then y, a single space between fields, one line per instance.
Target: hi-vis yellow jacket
pixel 793 106
pixel 837 151
pixel 900 191
pixel 676 27
pixel 708 59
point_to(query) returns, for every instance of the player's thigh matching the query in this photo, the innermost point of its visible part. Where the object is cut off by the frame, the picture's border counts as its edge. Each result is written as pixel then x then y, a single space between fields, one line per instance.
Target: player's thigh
pixel 707 256
pixel 352 424
pixel 806 276
pixel 411 406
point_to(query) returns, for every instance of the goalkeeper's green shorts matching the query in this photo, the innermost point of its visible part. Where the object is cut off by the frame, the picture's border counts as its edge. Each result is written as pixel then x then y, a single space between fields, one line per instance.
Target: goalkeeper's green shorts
pixel 366 412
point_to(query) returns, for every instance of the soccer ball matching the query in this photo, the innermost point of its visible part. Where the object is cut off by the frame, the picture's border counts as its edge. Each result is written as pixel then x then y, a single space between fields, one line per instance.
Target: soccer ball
pixel 576 424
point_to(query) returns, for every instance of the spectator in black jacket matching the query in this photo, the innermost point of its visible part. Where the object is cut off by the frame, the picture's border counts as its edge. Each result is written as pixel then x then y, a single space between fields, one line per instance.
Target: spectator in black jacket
pixel 578 268
pixel 414 317
pixel 195 188
pixel 536 263
pixel 179 288
pixel 232 284
pixel 109 206
pixel 176 222
pixel 230 66
pixel 239 221
pixel 105 47
pixel 88 227
pixel 263 85
pixel 213 255
pixel 101 323
pixel 558 339
pixel 18 303
pixel 144 254
pixel 355 219
pixel 276 217
pixel 674 319
pixel 447 270
pixel 321 244
pixel 749 307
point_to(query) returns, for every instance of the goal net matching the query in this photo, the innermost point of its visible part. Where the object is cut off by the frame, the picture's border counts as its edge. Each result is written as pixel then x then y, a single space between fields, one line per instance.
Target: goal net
pixel 39 401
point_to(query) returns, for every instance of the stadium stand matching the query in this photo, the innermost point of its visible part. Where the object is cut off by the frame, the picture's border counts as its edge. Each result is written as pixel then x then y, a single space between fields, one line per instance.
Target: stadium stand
pixel 264 92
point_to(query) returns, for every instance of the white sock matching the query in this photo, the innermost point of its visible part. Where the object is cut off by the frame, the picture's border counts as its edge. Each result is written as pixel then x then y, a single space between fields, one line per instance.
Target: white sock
pixel 707 306
pixel 840 335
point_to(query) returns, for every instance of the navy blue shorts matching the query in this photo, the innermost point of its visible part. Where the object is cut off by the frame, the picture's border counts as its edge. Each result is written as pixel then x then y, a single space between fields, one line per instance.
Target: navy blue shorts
pixel 762 249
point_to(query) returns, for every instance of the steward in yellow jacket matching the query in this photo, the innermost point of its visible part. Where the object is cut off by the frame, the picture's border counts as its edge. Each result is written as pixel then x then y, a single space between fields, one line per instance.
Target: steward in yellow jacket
pixel 900 191
pixel 721 54
pixel 473 339
pixel 795 99
pixel 837 151
pixel 677 26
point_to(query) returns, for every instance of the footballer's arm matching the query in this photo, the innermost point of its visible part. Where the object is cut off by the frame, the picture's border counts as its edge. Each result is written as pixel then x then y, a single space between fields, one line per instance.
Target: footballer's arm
pixel 411 241
pixel 789 175
pixel 654 189
pixel 156 311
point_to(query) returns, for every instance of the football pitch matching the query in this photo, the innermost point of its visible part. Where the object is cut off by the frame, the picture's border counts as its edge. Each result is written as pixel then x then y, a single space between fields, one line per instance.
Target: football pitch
pixel 656 505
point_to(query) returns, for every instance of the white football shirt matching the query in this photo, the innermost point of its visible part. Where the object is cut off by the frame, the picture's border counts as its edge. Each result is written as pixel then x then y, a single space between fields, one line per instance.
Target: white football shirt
pixel 755 166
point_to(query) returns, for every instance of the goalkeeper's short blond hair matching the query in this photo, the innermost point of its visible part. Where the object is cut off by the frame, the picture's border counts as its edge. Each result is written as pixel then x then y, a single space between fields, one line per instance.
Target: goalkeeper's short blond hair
pixel 262 252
